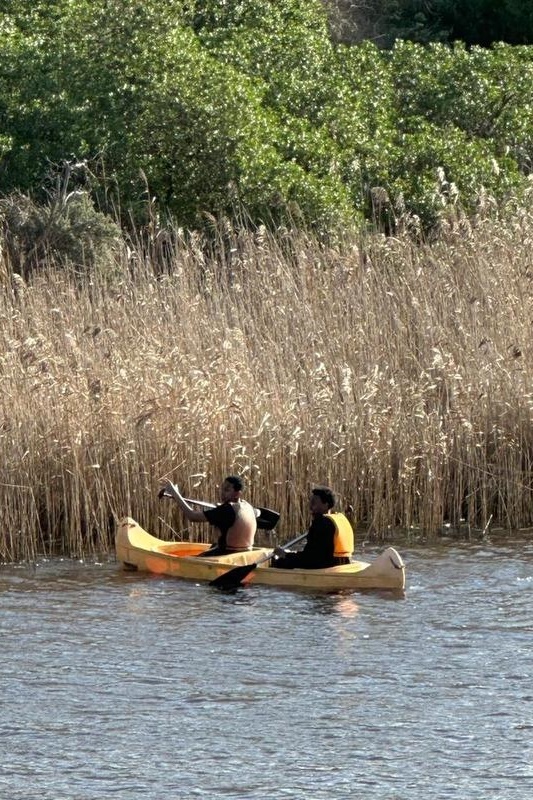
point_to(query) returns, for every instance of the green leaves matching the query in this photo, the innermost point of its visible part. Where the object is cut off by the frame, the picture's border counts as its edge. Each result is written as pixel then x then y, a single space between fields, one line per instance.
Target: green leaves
pixel 202 105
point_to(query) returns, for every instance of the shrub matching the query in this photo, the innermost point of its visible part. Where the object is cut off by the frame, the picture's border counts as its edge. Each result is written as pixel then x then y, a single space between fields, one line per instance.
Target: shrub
pixel 67 230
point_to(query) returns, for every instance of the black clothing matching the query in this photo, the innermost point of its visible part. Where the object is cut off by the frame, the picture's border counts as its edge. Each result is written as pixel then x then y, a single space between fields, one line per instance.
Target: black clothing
pixel 221 517
pixel 318 551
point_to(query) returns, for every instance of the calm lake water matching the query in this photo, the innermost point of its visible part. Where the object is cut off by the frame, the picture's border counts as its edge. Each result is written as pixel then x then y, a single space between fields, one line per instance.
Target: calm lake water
pixel 119 685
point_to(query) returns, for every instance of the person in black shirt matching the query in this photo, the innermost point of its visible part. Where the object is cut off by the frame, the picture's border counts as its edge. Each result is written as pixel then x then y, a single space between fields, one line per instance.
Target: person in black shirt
pixel 234 518
pixel 319 550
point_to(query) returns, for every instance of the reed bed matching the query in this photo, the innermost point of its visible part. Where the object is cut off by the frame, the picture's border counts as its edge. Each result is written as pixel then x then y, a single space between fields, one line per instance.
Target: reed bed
pixel 399 374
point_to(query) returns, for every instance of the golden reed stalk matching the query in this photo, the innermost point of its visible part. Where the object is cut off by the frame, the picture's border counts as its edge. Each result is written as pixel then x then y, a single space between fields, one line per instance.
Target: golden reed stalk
pixel 399 374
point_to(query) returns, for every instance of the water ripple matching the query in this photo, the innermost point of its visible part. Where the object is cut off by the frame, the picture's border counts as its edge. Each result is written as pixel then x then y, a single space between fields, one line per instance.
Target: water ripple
pixel 116 685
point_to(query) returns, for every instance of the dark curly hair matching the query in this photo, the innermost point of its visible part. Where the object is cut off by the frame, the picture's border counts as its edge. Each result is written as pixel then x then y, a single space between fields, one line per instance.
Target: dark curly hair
pixel 236 482
pixel 326 495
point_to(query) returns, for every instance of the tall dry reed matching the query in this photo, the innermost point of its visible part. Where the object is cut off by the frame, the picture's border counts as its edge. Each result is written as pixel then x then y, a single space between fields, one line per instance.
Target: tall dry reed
pixel 399 374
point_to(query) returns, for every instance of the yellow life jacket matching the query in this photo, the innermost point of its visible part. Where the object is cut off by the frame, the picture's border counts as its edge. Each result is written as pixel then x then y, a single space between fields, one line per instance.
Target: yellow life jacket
pixel 343 542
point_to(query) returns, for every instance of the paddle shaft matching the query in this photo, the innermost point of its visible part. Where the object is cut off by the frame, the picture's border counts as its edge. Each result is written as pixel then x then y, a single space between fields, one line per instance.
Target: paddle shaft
pixel 204 504
pixel 288 544
pixel 201 503
pixel 234 577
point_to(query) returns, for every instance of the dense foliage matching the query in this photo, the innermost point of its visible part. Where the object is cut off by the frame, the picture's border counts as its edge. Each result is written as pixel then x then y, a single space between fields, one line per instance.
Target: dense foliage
pixel 214 105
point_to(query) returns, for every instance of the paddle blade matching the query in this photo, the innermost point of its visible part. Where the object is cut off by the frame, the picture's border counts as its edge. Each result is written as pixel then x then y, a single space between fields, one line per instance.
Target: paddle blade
pixel 267 519
pixel 233 578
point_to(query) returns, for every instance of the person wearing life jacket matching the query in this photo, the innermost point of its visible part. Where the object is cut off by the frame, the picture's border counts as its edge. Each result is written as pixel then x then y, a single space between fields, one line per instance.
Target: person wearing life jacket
pixel 233 518
pixel 330 539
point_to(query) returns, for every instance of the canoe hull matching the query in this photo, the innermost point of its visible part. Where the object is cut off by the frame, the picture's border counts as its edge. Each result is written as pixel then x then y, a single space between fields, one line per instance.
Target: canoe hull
pixel 137 549
pixel 386 572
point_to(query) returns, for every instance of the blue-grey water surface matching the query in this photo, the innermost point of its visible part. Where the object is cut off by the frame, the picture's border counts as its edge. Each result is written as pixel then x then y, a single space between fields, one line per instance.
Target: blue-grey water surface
pixel 127 686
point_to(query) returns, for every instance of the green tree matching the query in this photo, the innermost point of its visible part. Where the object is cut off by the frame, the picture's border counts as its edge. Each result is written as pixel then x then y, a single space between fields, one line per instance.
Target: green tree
pixel 488 94
pixel 206 106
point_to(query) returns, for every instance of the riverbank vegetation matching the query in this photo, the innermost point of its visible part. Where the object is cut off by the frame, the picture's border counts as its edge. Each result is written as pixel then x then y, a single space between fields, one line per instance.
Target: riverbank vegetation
pixel 209 106
pixel 397 372
pixel 234 239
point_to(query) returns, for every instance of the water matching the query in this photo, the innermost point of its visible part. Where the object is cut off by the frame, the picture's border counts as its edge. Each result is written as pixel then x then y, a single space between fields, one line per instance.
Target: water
pixel 118 685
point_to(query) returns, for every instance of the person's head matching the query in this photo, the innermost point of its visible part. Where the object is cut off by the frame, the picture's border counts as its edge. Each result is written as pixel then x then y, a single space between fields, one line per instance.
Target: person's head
pixel 231 488
pixel 321 500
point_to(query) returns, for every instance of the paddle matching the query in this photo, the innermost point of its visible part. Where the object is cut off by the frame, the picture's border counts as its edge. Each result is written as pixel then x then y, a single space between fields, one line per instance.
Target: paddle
pixel 235 576
pixel 267 519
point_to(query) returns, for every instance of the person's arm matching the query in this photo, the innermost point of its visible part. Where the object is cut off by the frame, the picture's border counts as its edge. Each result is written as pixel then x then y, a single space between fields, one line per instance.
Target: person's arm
pixel 281 552
pixel 189 512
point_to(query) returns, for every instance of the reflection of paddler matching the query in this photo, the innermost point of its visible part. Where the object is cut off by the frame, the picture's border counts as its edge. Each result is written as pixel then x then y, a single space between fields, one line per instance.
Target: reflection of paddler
pixel 346 607
pixel 234 518
pixel 330 540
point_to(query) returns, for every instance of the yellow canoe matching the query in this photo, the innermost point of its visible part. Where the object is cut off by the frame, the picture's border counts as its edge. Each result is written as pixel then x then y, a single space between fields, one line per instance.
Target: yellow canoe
pixel 137 549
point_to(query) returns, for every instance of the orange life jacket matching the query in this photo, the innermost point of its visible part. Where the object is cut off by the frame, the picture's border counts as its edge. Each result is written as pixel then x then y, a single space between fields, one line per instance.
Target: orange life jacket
pixel 343 542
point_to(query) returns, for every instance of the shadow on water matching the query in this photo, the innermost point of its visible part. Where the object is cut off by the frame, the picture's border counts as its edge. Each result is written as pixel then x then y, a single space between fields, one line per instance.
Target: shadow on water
pixel 343 602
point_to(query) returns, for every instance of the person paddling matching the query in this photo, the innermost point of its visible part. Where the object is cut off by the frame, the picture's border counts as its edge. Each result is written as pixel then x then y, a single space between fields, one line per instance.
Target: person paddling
pixel 234 518
pixel 330 540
